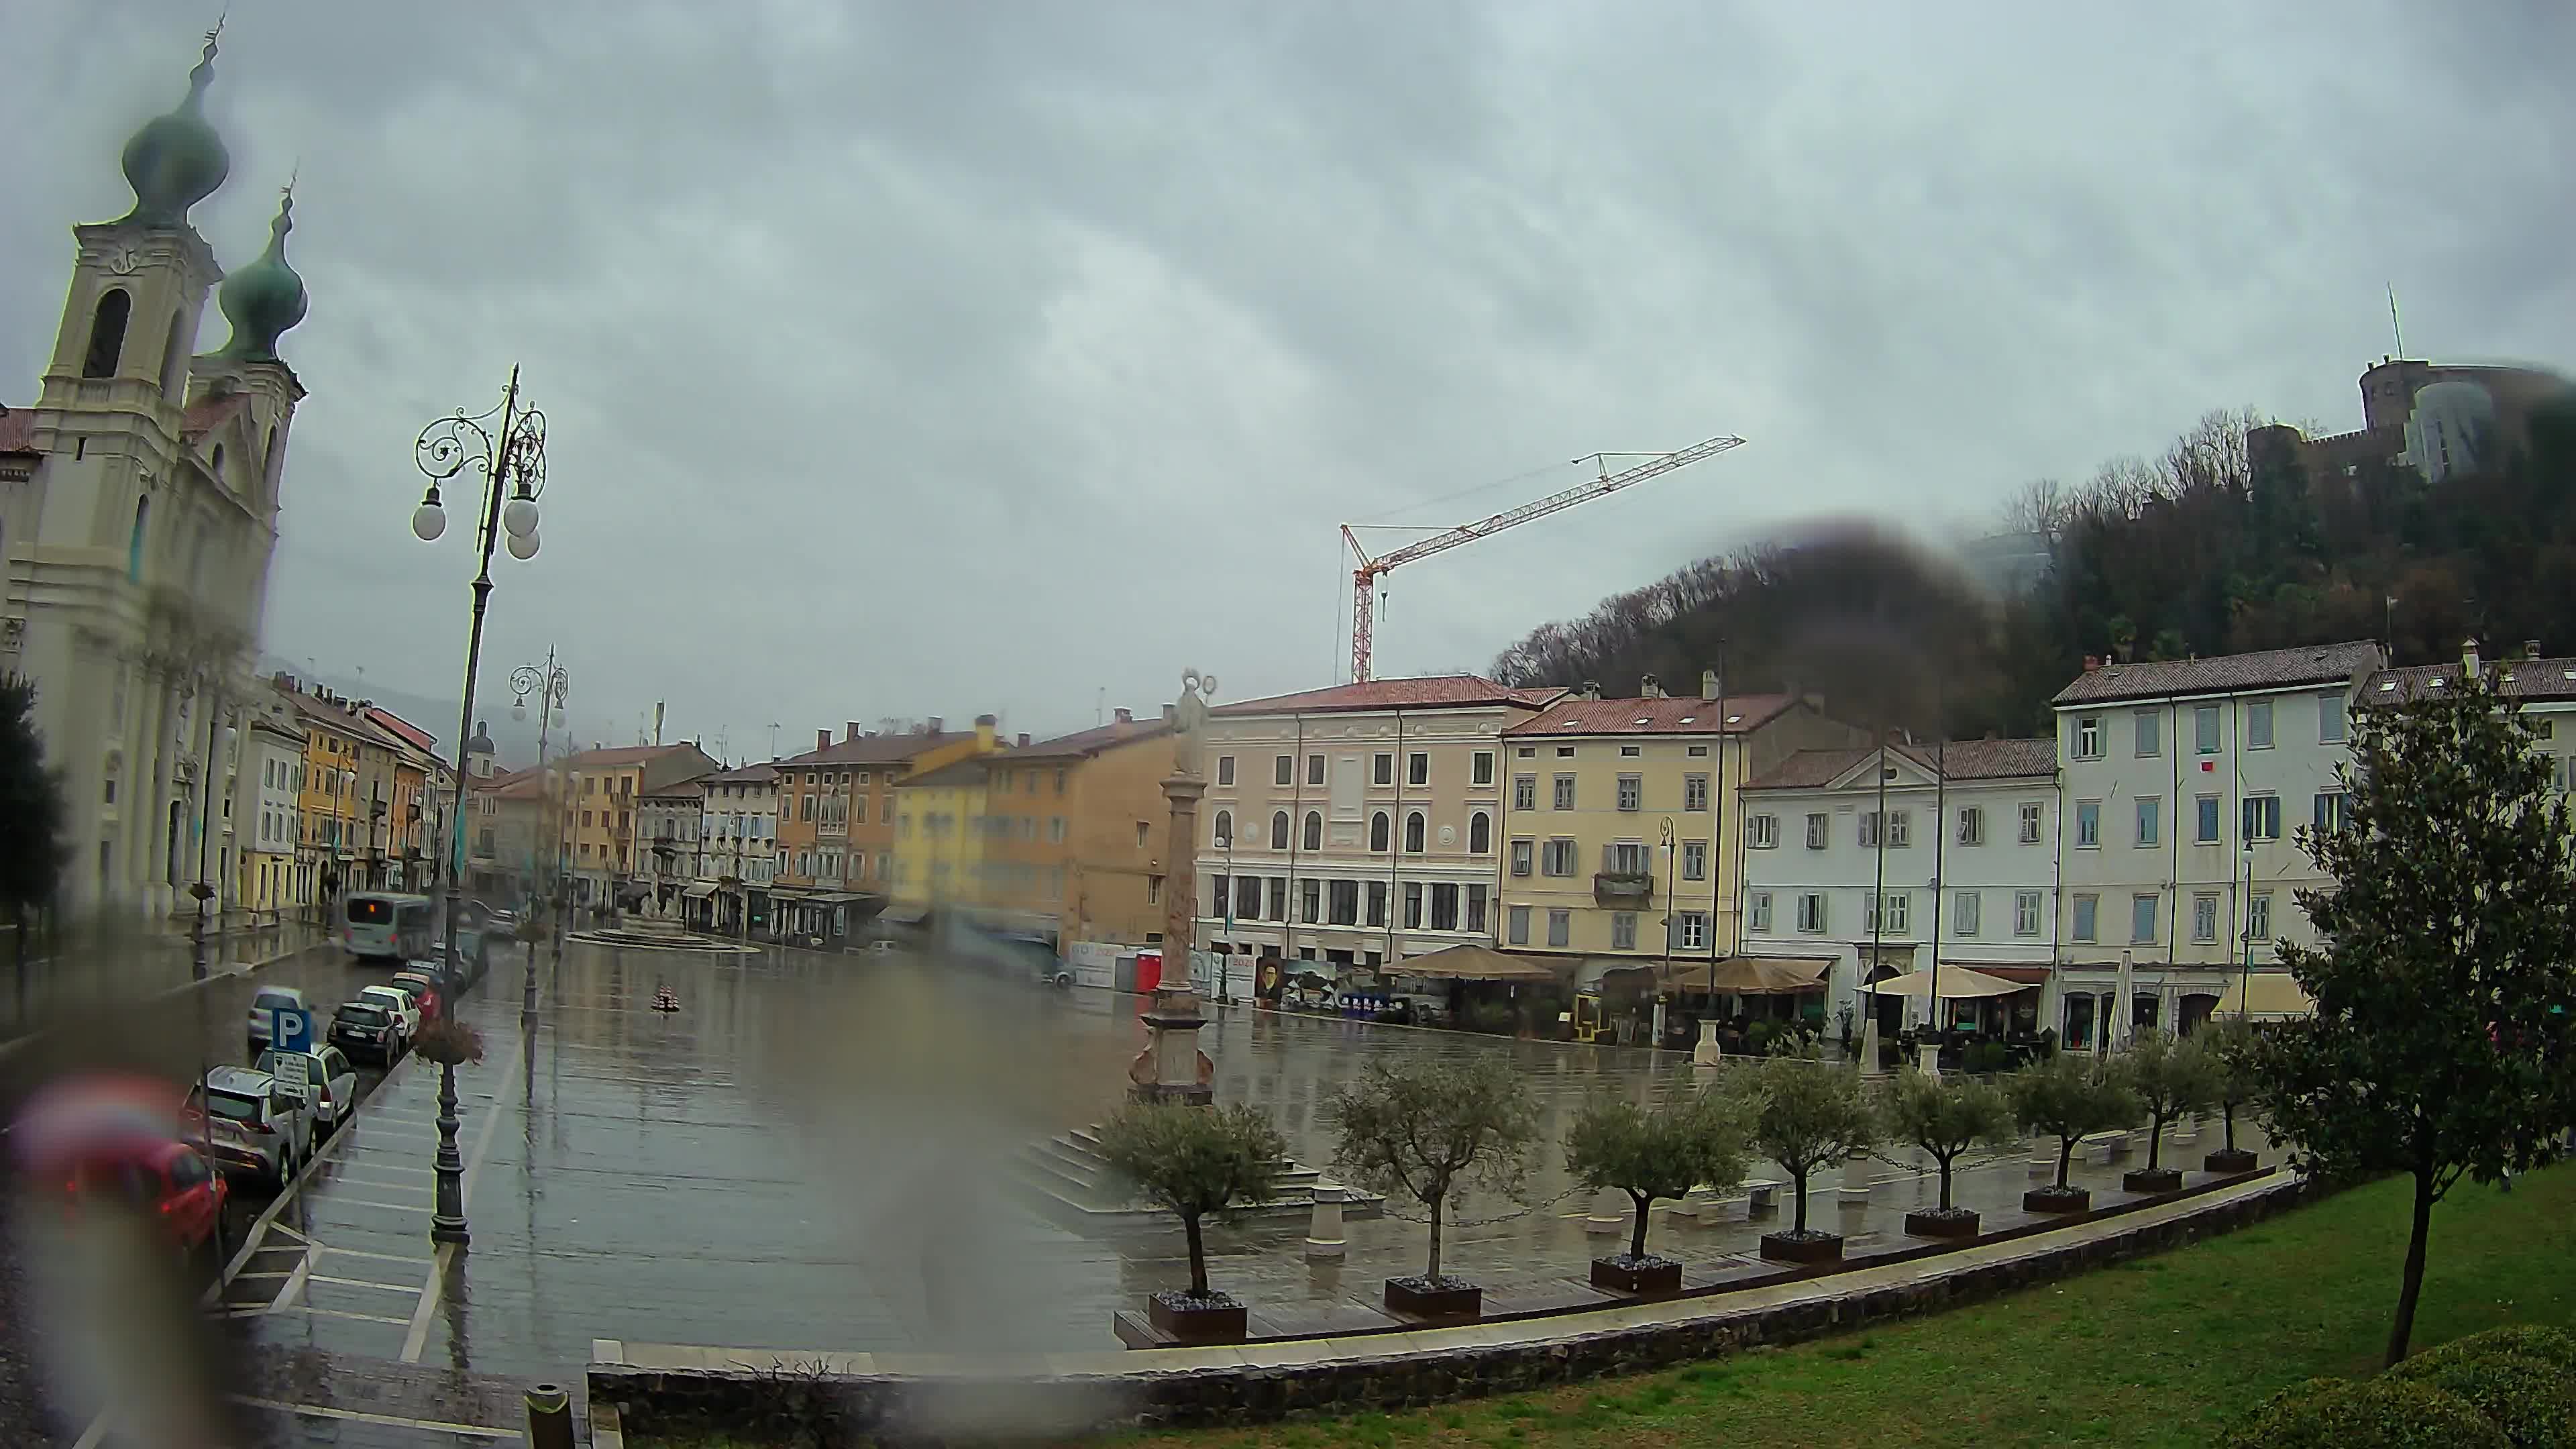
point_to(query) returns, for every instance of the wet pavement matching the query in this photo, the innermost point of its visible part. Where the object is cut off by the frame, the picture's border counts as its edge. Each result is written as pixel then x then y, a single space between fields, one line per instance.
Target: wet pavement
pixel 815 1152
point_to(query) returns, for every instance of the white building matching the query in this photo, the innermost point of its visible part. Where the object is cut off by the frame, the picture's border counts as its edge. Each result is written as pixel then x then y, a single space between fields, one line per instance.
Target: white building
pixel 268 820
pixel 1353 819
pixel 1964 869
pixel 738 835
pixel 669 835
pixel 138 515
pixel 2184 784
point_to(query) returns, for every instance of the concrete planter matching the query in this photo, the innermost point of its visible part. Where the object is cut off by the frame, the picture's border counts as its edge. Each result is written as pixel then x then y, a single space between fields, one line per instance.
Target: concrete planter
pixel 2155 1179
pixel 2229 1159
pixel 1217 1318
pixel 1934 1223
pixel 1645 1276
pixel 1434 1298
pixel 2057 1200
pixel 1815 1247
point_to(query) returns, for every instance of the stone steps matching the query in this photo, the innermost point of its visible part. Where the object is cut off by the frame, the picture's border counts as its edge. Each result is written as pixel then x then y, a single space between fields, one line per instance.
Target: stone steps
pixel 1068 1174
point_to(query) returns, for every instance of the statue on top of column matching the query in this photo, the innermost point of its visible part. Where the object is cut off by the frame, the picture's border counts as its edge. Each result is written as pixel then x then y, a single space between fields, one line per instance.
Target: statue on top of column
pixel 1189 721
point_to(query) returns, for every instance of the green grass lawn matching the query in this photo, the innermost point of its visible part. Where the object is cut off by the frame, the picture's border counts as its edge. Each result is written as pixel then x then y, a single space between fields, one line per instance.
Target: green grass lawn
pixel 2158 1351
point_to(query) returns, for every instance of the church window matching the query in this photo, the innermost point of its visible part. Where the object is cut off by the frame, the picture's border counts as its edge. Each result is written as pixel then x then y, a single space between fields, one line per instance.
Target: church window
pixel 107 333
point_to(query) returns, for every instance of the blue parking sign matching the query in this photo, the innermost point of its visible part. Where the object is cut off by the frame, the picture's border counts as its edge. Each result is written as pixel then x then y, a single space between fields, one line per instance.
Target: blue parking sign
pixel 293 1029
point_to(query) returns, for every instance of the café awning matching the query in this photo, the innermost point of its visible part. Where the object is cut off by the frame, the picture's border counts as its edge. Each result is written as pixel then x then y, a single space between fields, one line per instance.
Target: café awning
pixel 699 890
pixel 2266 996
pixel 1480 963
pixel 1757 975
pixel 1958 983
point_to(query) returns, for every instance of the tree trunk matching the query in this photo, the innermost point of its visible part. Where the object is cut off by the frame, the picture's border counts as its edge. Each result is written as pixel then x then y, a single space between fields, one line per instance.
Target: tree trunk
pixel 2227 1120
pixel 2155 1139
pixel 2065 1157
pixel 2413 1283
pixel 1798 1180
pixel 1945 1181
pixel 1637 1239
pixel 1432 1274
pixel 1198 1256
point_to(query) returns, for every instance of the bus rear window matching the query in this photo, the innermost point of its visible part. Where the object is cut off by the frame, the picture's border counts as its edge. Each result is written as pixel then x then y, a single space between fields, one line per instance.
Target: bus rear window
pixel 418 918
pixel 369 911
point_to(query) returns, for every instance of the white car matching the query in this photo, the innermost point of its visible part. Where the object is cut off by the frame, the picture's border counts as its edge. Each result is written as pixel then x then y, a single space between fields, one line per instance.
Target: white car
pixel 335 1083
pixel 401 1006
pixel 264 1006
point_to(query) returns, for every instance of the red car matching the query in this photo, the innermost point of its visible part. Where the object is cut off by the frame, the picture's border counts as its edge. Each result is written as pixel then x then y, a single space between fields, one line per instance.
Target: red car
pixel 167 1181
pixel 423 990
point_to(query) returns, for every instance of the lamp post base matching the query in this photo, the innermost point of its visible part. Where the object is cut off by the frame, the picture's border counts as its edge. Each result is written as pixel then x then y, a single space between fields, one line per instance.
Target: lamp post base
pixel 447 1222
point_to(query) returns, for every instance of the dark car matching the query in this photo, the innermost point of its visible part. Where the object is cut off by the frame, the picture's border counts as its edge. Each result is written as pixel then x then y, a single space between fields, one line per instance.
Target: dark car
pixel 366 1031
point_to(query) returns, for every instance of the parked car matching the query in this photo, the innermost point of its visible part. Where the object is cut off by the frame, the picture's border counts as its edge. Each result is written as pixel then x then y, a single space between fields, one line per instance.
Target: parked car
pixel 335 1083
pixel 426 989
pixel 402 1006
pixel 263 1008
pixel 367 1029
pixel 259 1131
pixel 170 1182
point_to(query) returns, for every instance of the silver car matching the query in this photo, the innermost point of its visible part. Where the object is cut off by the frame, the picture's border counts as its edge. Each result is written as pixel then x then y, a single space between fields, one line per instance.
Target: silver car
pixel 264 1006
pixel 259 1131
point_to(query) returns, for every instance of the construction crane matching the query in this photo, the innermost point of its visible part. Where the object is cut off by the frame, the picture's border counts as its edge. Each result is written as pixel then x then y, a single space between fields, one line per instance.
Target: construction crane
pixel 1364 578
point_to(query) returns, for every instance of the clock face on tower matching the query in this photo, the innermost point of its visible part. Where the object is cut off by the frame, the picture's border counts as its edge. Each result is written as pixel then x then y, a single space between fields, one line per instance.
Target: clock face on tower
pixel 122 259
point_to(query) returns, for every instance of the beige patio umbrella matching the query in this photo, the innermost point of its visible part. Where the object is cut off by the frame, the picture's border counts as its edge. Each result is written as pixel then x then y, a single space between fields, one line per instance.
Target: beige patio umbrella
pixel 1958 983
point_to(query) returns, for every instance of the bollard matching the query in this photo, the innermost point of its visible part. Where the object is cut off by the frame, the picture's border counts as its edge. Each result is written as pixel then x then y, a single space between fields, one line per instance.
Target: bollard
pixel 1707 1053
pixel 549 1417
pixel 1853 1195
pixel 2186 1132
pixel 1610 1212
pixel 1324 1229
pixel 2043 1156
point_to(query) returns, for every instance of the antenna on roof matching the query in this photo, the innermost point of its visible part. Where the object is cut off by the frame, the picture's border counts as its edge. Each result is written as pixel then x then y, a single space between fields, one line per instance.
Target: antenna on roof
pixel 2395 331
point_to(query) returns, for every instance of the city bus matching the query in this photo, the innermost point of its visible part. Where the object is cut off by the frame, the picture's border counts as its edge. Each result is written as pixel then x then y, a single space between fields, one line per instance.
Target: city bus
pixel 387 926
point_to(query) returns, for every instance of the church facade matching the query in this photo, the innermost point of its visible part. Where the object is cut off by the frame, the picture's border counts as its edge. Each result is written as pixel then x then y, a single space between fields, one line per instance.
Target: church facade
pixel 139 500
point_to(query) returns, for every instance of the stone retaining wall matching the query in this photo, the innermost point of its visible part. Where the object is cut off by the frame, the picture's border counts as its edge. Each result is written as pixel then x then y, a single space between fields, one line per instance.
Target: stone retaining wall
pixel 756 1393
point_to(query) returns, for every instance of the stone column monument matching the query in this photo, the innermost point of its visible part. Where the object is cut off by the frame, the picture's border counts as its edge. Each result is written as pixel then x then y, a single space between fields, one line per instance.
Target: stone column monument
pixel 1172 1068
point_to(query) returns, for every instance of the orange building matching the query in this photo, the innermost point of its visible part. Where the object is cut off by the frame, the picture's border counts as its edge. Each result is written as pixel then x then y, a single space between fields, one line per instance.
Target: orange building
pixel 1073 833
pixel 836 820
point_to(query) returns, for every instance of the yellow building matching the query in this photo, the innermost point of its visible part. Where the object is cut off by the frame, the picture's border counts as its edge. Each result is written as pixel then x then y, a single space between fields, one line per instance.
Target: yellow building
pixel 1068 833
pixel 1620 821
pixel 837 821
pixel 331 841
pixel 598 788
pixel 939 835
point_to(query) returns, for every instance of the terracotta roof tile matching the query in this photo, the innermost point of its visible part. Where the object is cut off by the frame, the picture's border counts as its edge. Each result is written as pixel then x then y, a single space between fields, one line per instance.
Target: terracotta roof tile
pixel 956 772
pixel 17 430
pixel 207 414
pixel 2263 669
pixel 1438 691
pixel 1962 759
pixel 2513 678
pixel 746 775
pixel 874 749
pixel 1667 716
pixel 1093 741
pixel 615 756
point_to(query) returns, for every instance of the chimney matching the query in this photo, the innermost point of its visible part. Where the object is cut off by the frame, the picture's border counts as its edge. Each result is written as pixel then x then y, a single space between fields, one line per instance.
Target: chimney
pixel 1708 686
pixel 1649 687
pixel 822 739
pixel 937 724
pixel 849 730
pixel 2531 649
pixel 1021 740
pixel 1171 714
pixel 1591 689
pixel 2092 663
pixel 984 726
pixel 2469 658
pixel 1125 715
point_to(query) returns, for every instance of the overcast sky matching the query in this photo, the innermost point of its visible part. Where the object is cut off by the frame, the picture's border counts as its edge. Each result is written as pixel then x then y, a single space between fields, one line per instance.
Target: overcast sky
pixel 915 358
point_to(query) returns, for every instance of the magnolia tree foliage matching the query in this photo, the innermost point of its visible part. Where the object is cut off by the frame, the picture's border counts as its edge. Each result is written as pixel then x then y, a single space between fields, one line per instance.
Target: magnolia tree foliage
pixel 1195 1161
pixel 2443 1044
pixel 1687 1140
pixel 1427 1128
pixel 2070 1097
pixel 2173 1077
pixel 1803 1115
pixel 1945 1116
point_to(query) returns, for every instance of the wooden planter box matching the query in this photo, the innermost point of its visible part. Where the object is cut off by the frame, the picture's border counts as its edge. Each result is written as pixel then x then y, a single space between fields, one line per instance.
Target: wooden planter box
pixel 1645 1276
pixel 2057 1200
pixel 1218 1318
pixel 1822 1248
pixel 2159 1179
pixel 1934 1223
pixel 1447 1298
pixel 2229 1159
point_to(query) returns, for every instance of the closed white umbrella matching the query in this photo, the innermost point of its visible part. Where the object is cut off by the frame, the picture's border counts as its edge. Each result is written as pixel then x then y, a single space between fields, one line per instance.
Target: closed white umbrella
pixel 2121 1010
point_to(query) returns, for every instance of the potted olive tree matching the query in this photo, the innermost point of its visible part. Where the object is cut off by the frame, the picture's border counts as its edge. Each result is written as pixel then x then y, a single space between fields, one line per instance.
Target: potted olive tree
pixel 1688 1140
pixel 2173 1077
pixel 2070 1096
pixel 2234 1044
pixel 1945 1116
pixel 1426 1129
pixel 1197 1161
pixel 1803 1114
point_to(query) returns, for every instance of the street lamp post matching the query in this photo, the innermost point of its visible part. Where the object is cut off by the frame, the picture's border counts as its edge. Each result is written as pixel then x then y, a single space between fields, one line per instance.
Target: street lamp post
pixel 513 463
pixel 2245 915
pixel 1663 998
pixel 551 685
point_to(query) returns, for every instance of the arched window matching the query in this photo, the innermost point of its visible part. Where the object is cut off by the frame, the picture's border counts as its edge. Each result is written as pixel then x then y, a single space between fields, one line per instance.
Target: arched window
pixel 107 333
pixel 134 545
pixel 1224 828
pixel 1314 830
pixel 1480 833
pixel 1279 830
pixel 1378 832
pixel 1413 832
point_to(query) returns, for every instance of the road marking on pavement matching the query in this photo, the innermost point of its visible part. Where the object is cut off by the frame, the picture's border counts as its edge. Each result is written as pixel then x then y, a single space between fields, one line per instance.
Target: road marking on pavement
pixel 356 1416
pixel 369 1182
pixel 336 1313
pixel 363 1253
pixel 294 1283
pixel 368 1202
pixel 391 1167
pixel 367 1283
pixel 418 1337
